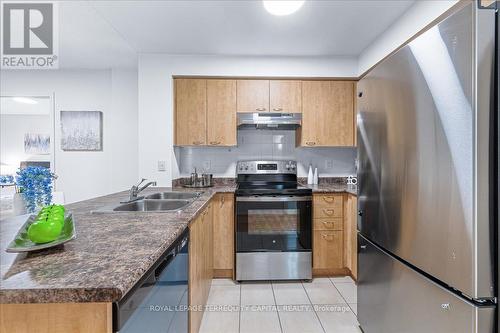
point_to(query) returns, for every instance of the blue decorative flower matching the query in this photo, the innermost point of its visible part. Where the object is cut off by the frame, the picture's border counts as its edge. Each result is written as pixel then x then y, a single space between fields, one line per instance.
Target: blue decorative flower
pixel 35 184
pixel 6 179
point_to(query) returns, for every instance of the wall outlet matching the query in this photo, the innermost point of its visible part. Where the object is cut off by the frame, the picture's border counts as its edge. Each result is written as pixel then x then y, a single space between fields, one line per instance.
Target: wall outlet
pixel 206 165
pixel 162 166
pixel 329 164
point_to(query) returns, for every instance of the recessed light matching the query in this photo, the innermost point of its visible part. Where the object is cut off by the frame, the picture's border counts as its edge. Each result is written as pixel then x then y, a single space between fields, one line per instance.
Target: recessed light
pixel 25 100
pixel 282 7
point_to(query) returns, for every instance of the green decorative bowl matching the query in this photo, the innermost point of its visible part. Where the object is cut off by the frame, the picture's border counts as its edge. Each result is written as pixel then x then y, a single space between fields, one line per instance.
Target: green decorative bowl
pixel 22 243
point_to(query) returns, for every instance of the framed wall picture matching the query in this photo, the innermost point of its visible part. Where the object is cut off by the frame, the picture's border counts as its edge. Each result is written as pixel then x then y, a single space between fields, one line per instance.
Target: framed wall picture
pixel 36 144
pixel 81 130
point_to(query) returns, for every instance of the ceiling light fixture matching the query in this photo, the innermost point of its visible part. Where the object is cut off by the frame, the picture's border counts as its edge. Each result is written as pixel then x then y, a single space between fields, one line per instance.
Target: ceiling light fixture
pixel 25 100
pixel 282 7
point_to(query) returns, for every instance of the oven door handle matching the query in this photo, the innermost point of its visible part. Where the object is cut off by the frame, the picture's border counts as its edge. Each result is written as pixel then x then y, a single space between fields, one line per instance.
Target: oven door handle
pixel 274 199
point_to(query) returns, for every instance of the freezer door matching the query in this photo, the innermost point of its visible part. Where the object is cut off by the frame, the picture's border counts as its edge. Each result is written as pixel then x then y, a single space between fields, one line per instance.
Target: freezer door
pixel 393 298
pixel 423 131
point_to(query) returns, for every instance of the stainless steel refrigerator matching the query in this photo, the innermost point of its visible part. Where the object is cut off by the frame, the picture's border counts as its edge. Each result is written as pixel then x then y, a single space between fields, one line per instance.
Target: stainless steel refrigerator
pixel 428 181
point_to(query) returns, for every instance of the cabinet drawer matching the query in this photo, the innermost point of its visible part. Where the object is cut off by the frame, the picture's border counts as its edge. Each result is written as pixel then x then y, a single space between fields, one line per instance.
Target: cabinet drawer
pixel 328 224
pixel 328 249
pixel 335 211
pixel 329 201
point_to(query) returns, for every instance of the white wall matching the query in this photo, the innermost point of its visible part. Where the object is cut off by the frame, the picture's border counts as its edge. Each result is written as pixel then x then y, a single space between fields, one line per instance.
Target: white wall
pixel 84 175
pixel 156 94
pixel 412 21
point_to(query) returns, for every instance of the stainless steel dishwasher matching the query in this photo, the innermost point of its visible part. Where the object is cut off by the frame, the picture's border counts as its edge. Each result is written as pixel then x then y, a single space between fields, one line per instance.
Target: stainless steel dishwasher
pixel 158 302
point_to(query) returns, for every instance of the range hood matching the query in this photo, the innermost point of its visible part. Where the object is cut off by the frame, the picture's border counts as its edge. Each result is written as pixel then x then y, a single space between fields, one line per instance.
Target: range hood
pixel 269 121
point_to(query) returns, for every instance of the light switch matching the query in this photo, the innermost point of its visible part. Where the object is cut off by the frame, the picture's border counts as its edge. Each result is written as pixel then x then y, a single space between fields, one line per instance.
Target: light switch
pixel 329 164
pixel 162 166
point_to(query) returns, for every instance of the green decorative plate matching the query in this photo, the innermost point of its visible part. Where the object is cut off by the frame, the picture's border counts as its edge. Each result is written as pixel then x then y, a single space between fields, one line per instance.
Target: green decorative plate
pixel 22 243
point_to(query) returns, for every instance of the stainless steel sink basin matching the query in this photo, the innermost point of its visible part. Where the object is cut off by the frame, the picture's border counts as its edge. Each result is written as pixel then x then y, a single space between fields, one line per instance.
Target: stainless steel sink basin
pixel 152 206
pixel 174 195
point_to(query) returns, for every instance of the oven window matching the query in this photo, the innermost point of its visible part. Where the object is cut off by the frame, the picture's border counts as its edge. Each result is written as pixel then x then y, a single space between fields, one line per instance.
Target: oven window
pixel 273 221
pixel 273 226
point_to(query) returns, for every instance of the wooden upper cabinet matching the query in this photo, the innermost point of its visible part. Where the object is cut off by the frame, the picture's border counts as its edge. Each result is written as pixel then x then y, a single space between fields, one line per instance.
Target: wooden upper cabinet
pixel 285 96
pixel 190 112
pixel 221 113
pixel 327 113
pixel 253 95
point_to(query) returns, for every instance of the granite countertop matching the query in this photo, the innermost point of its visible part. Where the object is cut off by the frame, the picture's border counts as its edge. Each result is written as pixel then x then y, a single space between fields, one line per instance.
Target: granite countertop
pixel 333 188
pixel 111 253
pixel 331 185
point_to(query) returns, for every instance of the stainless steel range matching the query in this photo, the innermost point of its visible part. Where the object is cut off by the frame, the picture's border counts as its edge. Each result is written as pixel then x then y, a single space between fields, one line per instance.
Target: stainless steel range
pixel 273 222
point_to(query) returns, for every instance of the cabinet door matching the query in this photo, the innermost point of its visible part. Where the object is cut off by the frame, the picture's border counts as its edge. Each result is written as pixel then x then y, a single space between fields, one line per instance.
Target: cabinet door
pixel 311 107
pixel 327 249
pixel 328 113
pixel 190 112
pixel 221 112
pixel 253 95
pixel 223 235
pixel 285 96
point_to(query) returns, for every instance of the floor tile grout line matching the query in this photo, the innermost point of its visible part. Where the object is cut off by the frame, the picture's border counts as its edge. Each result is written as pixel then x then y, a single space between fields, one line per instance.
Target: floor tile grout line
pixel 342 295
pixel 276 305
pixel 312 305
pixel 340 292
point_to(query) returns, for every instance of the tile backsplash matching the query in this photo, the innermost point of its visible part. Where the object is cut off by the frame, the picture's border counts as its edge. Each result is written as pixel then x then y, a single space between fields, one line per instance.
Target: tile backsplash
pixel 266 145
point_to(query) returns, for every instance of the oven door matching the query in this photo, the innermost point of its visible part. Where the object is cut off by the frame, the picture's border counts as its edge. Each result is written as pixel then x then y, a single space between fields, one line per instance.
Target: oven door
pixel 273 223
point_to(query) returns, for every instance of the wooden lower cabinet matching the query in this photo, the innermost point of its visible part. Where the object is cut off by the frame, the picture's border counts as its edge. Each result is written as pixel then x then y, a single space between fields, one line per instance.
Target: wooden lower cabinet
pixel 328 250
pixel 56 318
pixel 200 265
pixel 223 253
pixel 328 234
pixel 350 235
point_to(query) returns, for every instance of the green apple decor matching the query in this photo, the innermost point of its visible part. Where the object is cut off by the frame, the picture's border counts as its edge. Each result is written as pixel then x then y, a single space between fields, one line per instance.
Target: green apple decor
pixel 48 224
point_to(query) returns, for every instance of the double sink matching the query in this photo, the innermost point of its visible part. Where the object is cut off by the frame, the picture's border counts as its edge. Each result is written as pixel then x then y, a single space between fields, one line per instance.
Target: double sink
pixel 159 202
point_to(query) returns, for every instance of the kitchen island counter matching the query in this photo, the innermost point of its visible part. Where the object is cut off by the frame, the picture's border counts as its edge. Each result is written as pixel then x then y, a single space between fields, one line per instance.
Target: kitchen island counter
pixel 112 251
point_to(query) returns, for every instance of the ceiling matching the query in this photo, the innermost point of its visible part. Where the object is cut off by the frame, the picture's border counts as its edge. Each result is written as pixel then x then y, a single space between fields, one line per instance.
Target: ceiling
pixel 101 34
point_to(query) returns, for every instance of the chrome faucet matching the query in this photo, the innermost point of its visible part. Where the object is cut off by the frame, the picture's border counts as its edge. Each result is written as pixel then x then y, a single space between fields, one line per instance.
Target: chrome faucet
pixel 135 190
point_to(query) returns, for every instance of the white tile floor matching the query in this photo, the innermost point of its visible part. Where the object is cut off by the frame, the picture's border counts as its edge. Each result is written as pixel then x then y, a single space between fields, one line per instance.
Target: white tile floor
pixel 325 305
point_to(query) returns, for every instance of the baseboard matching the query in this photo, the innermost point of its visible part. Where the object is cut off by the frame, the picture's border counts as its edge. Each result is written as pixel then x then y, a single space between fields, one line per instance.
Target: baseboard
pixel 322 272
pixel 223 274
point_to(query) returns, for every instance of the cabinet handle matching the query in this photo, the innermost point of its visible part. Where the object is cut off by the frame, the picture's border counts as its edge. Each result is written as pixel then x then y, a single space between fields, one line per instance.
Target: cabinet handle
pixel 327 237
pixel 329 199
pixel 278 109
pixel 222 200
pixel 329 212
pixel 261 109
pixel 197 143
pixel 310 143
pixel 331 224
pixel 215 142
